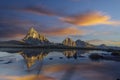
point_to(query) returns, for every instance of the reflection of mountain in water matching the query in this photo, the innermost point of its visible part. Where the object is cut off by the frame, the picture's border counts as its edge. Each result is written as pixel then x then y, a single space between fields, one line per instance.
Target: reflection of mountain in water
pixel 35 56
pixel 32 56
pixel 69 54
pixel 74 53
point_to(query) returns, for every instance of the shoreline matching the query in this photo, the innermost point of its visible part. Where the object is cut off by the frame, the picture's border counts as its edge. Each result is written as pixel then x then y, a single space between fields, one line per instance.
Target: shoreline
pixel 56 47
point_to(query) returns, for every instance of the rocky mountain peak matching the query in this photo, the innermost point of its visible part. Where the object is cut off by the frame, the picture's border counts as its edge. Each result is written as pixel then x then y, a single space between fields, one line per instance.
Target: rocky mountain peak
pixel 69 42
pixel 32 30
pixel 33 37
pixel 32 33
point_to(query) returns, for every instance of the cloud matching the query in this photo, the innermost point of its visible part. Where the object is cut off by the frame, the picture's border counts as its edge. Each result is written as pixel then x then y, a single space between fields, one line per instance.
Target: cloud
pixel 90 19
pixel 102 33
pixel 36 9
pixel 40 10
pixel 11 31
pixel 28 77
pixel 16 22
pixel 107 42
pixel 14 28
pixel 64 31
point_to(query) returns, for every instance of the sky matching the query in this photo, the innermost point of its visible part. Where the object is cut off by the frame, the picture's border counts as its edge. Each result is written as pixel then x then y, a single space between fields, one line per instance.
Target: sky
pixel 95 21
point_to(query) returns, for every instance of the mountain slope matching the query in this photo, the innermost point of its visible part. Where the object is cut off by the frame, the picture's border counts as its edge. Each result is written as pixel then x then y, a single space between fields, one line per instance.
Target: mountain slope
pixel 33 37
pixel 80 43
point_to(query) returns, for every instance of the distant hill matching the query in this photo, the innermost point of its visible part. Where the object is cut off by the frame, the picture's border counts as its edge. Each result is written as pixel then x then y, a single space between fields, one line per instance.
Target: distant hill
pixel 80 43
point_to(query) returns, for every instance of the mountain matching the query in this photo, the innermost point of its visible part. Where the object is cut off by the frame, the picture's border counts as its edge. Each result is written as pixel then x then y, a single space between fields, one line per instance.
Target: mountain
pixel 69 42
pixel 103 46
pixel 80 43
pixel 33 37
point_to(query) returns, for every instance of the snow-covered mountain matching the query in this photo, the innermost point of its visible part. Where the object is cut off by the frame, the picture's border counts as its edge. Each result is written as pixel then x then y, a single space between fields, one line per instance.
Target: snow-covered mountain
pixel 69 42
pixel 33 37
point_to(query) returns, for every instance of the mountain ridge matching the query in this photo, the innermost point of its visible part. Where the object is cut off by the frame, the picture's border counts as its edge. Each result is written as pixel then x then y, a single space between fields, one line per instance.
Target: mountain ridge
pixel 34 38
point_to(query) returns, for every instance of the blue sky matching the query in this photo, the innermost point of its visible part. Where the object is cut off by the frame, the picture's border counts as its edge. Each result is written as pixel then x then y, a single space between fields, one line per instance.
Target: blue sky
pixel 88 20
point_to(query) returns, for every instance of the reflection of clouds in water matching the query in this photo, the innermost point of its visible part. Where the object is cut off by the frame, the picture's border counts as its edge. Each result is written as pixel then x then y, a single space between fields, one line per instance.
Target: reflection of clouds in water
pixel 92 75
pixel 81 66
pixel 29 77
pixel 55 68
pixel 89 71
pixel 60 68
pixel 82 71
pixel 32 56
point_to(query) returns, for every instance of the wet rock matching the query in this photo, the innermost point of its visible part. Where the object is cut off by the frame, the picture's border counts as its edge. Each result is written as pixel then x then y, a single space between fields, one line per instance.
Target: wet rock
pixel 95 56
pixel 115 53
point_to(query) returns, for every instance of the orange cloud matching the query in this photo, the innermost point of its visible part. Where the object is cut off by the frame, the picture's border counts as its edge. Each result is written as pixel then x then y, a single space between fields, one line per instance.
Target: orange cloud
pixel 14 35
pixel 18 35
pixel 29 77
pixel 66 31
pixel 89 19
pixel 55 69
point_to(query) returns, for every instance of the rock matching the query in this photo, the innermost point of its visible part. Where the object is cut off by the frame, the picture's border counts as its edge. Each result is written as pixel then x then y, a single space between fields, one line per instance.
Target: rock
pixel 69 42
pixel 33 37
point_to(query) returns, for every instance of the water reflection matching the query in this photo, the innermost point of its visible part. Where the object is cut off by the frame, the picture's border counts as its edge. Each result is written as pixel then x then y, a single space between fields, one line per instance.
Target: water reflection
pixel 36 56
pixel 32 56
pixel 61 65
pixel 74 53
pixel 28 77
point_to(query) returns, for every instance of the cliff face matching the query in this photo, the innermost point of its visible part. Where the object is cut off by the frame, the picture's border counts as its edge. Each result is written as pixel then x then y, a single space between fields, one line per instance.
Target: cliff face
pixel 33 37
pixel 78 43
pixel 69 42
